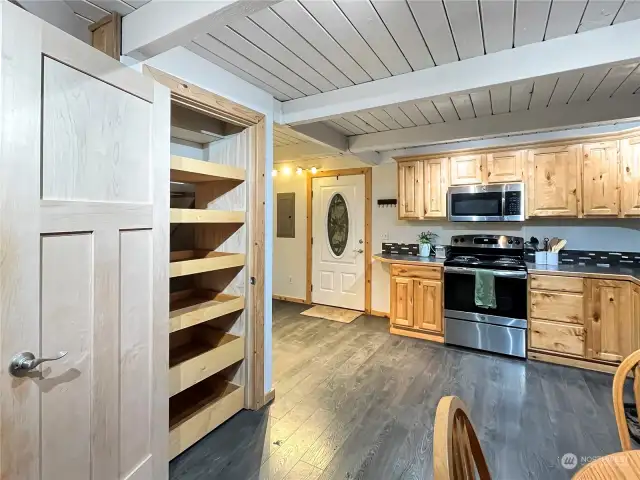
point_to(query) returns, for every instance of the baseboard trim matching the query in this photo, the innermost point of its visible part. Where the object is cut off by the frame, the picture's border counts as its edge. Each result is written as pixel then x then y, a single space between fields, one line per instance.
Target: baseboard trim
pixel 376 313
pixel 414 334
pixel 270 396
pixel 573 362
pixel 289 299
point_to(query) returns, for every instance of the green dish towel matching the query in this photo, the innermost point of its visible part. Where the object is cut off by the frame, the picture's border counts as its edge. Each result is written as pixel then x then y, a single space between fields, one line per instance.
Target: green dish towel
pixel 485 290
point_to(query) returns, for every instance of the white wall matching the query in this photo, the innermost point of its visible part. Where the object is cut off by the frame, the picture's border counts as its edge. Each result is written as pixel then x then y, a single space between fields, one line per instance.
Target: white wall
pixel 188 66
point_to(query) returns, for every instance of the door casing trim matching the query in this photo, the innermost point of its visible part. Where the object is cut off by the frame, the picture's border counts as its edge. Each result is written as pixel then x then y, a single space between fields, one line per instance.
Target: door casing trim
pixel 366 171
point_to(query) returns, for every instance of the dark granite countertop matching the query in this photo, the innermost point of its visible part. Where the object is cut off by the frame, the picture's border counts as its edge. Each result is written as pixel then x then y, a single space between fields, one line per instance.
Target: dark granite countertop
pixel 586 270
pixel 396 258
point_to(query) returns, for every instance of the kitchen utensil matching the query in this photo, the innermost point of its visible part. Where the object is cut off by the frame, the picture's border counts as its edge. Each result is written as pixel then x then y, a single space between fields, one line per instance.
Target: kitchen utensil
pixel 552 243
pixel 545 245
pixel 534 243
pixel 559 246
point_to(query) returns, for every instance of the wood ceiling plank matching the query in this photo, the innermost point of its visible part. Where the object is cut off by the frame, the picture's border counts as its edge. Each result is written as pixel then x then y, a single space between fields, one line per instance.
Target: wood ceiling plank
pixel 567 83
pixel 588 84
pixel 481 103
pixel 346 124
pixel 338 127
pixel 500 99
pixel 430 111
pixel 464 18
pixel 564 18
pixel 87 9
pixel 414 113
pixel 446 109
pixel 463 106
pixel 358 122
pixel 220 50
pixel 531 21
pixel 373 121
pixel 542 90
pixel 630 11
pixel 262 59
pixel 630 85
pixel 599 13
pixel 398 19
pixel 434 26
pixel 331 18
pixel 269 21
pixel 497 24
pixel 385 118
pixel 367 22
pixel 306 26
pixel 521 96
pixel 261 39
pixel 614 79
pixel 399 116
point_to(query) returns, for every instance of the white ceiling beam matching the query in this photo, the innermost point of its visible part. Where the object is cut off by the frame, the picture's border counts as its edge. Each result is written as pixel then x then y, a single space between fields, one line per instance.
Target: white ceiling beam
pixel 612 45
pixel 560 116
pixel 298 151
pixel 320 132
pixel 161 25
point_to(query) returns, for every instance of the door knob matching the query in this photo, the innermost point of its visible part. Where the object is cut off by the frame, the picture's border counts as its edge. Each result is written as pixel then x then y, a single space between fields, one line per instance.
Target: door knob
pixel 23 362
pixel 359 250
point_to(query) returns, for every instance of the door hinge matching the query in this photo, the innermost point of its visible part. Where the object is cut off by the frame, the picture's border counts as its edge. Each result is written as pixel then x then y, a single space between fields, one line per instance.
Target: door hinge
pixel 312 287
pixel 311 240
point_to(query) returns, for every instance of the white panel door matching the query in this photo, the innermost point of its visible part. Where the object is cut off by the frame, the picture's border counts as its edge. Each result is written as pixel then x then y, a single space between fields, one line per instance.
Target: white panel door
pixel 338 241
pixel 83 260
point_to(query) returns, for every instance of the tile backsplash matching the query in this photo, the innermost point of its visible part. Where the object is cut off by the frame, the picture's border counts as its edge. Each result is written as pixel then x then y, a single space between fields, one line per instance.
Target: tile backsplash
pixel 594 257
pixel 401 248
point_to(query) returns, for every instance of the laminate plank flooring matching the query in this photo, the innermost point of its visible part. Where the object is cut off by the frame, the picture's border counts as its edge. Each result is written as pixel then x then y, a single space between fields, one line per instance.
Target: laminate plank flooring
pixel 354 402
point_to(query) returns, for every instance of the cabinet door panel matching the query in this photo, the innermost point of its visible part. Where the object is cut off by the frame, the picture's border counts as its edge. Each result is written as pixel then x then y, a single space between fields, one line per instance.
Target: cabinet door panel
pixel 436 182
pixel 402 301
pixel 631 176
pixel 610 324
pixel 466 169
pixel 505 166
pixel 428 305
pixel 410 189
pixel 553 187
pixel 600 177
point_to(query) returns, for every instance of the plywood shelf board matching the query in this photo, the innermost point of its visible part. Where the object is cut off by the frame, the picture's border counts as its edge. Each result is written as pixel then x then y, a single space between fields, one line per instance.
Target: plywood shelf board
pixel 191 262
pixel 189 170
pixel 206 352
pixel 200 409
pixel 191 307
pixel 195 215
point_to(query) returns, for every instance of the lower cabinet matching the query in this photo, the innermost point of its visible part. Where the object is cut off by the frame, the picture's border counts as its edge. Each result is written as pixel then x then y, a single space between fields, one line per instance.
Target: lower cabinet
pixel 416 299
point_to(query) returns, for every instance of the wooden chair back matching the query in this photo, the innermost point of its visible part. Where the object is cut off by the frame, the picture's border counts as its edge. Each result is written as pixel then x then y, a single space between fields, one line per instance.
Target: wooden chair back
pixel 628 364
pixel 457 454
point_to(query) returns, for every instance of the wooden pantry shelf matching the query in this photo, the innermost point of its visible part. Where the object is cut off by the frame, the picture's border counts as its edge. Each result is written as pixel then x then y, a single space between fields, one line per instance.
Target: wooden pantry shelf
pixel 190 262
pixel 200 409
pixel 200 352
pixel 189 170
pixel 191 307
pixel 195 215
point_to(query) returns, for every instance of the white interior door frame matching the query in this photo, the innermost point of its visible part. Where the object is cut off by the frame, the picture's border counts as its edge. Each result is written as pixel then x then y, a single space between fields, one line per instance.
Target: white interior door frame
pixel 366 171
pixel 56 225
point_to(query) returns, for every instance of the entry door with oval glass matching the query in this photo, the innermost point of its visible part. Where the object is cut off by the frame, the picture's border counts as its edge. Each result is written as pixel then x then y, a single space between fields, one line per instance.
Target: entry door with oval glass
pixel 338 241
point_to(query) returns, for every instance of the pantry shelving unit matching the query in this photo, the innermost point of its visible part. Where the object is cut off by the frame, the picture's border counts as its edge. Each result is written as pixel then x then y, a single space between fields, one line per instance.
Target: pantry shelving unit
pixel 216 343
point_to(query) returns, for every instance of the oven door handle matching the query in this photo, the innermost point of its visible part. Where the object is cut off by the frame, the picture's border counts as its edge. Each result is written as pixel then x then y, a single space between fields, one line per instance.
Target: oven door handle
pixel 497 273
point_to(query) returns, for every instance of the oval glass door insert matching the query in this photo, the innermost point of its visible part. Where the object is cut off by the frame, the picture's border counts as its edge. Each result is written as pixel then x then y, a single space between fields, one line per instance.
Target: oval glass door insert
pixel 337 224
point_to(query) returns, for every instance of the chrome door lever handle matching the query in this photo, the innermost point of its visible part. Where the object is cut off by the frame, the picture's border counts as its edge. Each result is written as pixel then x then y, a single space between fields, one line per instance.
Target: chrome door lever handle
pixel 358 250
pixel 24 362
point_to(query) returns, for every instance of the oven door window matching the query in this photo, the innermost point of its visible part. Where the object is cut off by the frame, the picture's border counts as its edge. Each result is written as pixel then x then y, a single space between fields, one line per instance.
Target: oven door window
pixel 488 204
pixel 511 296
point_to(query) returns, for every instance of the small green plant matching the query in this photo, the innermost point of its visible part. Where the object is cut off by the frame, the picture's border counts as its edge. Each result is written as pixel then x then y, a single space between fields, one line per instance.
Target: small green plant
pixel 427 237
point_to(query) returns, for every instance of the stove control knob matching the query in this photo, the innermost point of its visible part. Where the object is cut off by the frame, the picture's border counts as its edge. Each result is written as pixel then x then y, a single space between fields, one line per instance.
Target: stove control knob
pixel 462 240
pixel 517 242
pixel 455 240
pixel 510 241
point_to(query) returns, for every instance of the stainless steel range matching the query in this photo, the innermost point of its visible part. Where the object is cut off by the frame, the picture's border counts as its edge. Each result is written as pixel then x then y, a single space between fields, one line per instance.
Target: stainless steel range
pixel 502 329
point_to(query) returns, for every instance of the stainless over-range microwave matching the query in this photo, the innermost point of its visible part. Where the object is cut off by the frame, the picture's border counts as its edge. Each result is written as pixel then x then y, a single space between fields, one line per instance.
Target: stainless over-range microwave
pixel 501 202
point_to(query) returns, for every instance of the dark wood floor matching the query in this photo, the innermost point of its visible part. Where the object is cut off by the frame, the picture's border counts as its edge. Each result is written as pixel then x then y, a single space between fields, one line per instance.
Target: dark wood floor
pixel 353 402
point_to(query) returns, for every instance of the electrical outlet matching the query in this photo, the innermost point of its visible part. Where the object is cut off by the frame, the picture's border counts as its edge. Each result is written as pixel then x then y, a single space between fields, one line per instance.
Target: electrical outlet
pixel 290 279
pixel 385 237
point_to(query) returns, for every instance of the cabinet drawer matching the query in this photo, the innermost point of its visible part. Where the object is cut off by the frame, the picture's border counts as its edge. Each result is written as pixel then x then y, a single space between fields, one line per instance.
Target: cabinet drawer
pixel 557 283
pixel 415 271
pixel 560 307
pixel 558 338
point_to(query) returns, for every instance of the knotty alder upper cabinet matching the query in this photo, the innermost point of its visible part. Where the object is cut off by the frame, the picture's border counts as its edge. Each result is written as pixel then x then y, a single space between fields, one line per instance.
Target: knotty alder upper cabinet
pixel 600 179
pixel 410 189
pixel 436 183
pixel 466 169
pixel 630 151
pixel 506 166
pixel 552 185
